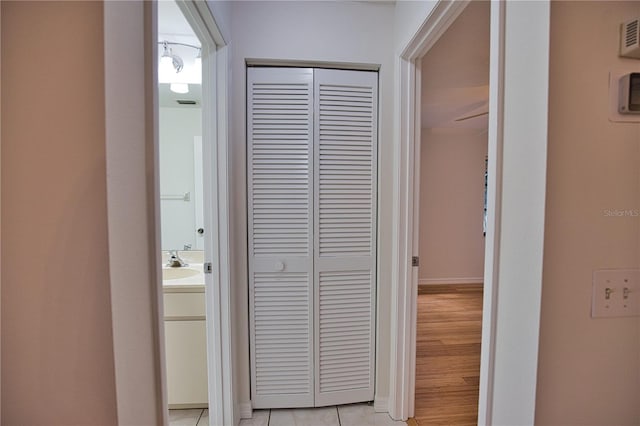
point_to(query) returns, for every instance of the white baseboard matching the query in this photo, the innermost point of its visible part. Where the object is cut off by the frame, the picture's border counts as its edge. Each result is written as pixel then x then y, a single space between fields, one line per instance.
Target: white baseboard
pixel 381 405
pixel 246 411
pixel 463 280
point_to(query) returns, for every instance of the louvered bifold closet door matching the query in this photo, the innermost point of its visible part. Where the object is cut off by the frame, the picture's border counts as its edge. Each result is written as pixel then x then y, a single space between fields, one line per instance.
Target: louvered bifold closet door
pixel 280 185
pixel 345 121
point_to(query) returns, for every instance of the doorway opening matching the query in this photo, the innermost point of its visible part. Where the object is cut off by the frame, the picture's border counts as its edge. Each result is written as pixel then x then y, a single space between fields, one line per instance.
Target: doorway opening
pixel 192 142
pixel 452 216
pixel 181 212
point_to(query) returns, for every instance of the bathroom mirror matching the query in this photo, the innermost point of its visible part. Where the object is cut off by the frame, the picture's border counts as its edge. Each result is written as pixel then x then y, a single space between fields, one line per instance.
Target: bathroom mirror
pixel 180 170
pixel 180 131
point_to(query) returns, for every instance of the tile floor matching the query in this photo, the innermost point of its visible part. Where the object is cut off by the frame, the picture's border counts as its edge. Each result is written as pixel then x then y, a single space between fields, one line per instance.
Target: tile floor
pixel 194 417
pixel 341 415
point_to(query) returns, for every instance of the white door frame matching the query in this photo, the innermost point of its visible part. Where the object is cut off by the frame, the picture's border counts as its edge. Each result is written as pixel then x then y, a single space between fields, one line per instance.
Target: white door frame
pixel 405 208
pixel 516 206
pixel 216 209
pixel 132 212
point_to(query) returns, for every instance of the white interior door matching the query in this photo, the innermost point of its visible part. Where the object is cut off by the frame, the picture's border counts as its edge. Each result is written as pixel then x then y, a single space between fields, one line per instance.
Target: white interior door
pixel 312 156
pixel 280 158
pixel 345 116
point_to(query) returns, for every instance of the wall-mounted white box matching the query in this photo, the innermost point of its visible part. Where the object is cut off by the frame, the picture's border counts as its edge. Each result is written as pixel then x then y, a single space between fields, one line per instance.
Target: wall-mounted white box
pixel 614 96
pixel 616 293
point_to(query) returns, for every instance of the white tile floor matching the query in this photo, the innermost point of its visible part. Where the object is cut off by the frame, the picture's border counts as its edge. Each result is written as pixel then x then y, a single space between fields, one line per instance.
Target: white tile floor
pixel 341 415
pixel 194 417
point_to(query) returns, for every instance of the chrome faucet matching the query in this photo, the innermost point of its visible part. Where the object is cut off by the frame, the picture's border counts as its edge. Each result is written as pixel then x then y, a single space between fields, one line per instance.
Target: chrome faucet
pixel 174 260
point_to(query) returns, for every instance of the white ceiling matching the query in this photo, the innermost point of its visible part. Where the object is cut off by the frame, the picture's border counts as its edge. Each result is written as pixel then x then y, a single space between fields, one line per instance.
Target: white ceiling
pixel 173 26
pixel 455 73
pixel 171 22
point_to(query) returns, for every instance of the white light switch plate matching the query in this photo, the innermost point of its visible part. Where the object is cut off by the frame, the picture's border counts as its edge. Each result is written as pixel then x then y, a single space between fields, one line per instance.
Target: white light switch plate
pixel 623 293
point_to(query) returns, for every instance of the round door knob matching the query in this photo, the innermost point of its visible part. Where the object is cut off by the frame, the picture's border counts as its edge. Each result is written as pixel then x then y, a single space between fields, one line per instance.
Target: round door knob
pixel 200 231
pixel 279 266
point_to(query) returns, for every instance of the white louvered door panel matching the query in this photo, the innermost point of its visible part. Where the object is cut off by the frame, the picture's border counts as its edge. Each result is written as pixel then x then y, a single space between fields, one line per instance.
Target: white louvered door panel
pixel 345 151
pixel 280 216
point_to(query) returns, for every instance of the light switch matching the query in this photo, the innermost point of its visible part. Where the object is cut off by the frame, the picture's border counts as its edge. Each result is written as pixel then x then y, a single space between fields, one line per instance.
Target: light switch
pixel 616 293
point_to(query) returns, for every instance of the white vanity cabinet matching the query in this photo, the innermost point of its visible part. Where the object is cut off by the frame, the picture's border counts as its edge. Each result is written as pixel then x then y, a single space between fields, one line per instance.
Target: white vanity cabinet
pixel 186 346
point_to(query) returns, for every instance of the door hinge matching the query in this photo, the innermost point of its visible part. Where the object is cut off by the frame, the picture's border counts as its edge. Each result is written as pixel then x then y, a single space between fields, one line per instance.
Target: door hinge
pixel 208 268
pixel 415 261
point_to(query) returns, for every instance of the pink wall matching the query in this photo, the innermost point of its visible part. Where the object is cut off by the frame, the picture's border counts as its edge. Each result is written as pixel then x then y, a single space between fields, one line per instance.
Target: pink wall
pixel 451 201
pixel 589 369
pixel 57 352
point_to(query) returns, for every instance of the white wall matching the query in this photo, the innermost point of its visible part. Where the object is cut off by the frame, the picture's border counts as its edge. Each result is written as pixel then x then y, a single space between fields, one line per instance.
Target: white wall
pixel 589 369
pixel 311 31
pixel 221 12
pixel 409 17
pixel 178 127
pixel 451 205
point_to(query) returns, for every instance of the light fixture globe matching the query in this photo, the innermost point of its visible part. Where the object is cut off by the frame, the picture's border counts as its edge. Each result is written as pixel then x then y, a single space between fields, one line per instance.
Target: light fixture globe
pixel 179 87
pixel 166 65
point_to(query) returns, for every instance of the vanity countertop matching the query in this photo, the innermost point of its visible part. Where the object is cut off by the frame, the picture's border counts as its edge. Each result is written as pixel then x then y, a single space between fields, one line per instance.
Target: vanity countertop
pixel 188 278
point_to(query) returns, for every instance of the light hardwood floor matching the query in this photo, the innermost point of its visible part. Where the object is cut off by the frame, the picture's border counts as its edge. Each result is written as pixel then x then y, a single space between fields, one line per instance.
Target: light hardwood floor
pixel 448 354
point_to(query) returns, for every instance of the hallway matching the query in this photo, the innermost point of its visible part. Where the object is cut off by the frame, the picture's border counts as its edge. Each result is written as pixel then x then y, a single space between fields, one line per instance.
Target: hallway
pixel 448 354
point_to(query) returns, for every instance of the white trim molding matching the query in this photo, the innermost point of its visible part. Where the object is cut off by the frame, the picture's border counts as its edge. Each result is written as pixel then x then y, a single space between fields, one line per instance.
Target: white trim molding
pixel 133 225
pixel 381 405
pixel 454 280
pixel 258 62
pixel 494 191
pixel 404 277
pixel 518 111
pixel 216 210
pixel 245 410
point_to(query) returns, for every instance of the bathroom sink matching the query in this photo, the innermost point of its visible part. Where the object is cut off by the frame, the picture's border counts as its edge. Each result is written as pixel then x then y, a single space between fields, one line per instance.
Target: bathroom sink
pixel 177 273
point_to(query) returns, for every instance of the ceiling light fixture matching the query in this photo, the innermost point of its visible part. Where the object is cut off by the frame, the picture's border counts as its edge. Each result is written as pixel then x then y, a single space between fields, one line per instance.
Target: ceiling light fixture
pixel 179 87
pixel 170 58
pixel 179 65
